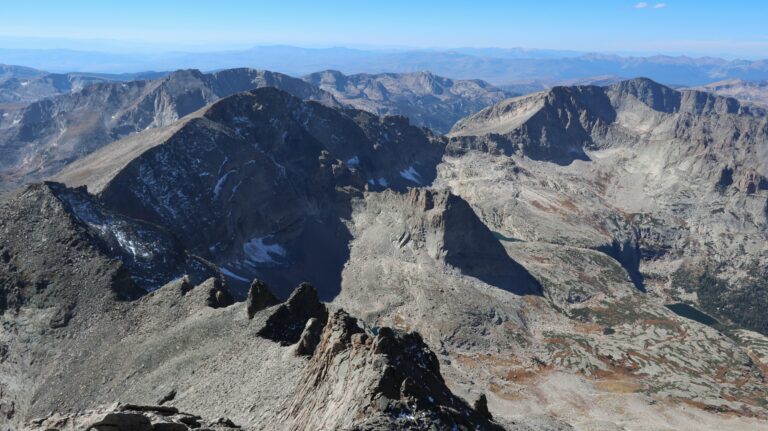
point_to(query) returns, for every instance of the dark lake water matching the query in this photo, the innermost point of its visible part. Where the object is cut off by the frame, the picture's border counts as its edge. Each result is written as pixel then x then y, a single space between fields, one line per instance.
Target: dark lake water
pixel 689 312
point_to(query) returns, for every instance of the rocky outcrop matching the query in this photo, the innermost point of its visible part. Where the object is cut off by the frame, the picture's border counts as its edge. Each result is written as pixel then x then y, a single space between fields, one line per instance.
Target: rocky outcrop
pixel 218 295
pixel 259 298
pixel 751 182
pixel 310 337
pixel 290 321
pixel 390 380
pixel 301 369
pixel 469 245
pixel 445 228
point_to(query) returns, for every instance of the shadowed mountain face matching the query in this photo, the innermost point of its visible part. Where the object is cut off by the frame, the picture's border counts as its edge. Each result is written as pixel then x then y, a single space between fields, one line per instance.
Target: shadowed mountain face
pixel 259 182
pixel 61 246
pixel 449 231
pixel 428 100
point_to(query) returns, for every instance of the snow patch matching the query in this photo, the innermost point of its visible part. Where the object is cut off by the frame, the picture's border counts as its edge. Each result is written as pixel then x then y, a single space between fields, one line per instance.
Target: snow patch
pixel 257 251
pixel 383 182
pixel 353 162
pixel 411 174
pixel 130 245
pixel 231 274
pixel 220 183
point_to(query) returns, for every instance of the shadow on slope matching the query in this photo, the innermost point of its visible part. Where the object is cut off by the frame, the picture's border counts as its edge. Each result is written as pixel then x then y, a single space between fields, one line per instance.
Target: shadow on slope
pixel 472 248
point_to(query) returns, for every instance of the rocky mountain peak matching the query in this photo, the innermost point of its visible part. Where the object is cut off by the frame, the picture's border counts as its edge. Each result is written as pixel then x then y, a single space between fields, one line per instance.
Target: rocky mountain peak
pixel 563 124
pixel 185 74
pixel 658 97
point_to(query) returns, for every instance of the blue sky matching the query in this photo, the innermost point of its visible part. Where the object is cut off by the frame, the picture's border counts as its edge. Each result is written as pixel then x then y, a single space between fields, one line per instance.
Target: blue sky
pixel 733 28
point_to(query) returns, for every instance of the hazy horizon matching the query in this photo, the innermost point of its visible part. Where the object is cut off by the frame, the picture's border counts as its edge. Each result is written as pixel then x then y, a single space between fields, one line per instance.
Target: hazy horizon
pixel 107 46
pixel 677 27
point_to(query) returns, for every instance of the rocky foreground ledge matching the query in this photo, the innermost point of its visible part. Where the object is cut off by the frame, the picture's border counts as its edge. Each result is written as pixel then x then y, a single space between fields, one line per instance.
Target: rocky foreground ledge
pixel 351 378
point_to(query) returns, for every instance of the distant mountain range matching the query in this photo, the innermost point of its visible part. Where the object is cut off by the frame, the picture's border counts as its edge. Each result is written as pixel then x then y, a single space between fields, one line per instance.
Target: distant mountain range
pixel 21 85
pixel 427 99
pixel 498 66
pixel 47 120
pixel 39 138
pixel 73 119
pixel 747 91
